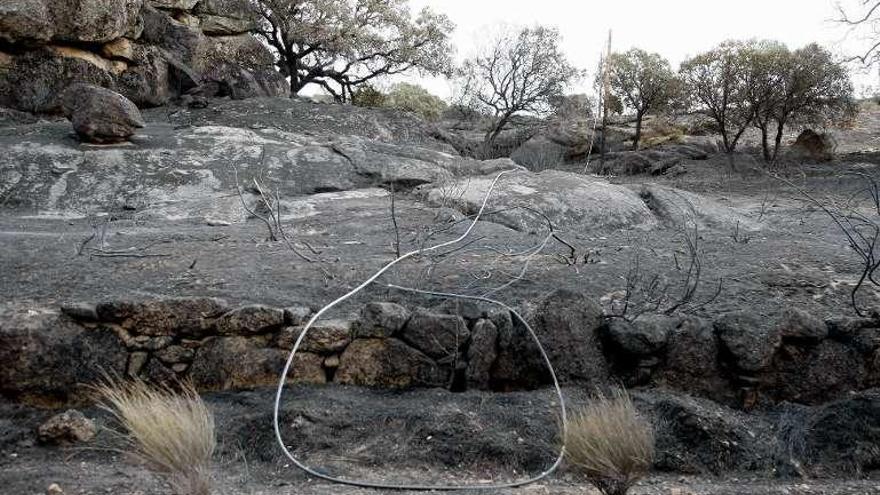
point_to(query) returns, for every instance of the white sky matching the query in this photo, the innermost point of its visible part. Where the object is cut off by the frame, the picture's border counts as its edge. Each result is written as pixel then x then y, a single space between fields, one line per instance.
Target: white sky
pixel 674 28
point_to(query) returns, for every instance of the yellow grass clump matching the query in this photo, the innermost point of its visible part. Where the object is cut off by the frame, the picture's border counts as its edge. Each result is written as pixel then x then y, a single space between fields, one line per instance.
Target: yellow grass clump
pixel 169 430
pixel 610 443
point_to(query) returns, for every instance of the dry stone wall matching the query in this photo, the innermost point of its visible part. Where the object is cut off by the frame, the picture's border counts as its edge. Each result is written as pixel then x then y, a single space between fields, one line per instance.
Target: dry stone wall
pixel 738 359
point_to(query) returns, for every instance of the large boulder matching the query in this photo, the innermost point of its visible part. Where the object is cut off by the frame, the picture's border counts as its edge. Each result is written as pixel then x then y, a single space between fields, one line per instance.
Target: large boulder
pixel 815 373
pixel 237 362
pixel 381 319
pixel 567 325
pixel 797 324
pixel 388 363
pixel 78 21
pixel 644 337
pixel 187 43
pixel 678 208
pixel 163 317
pixel 99 115
pixel 94 21
pixel 844 436
pixel 405 166
pixel 570 201
pixel 250 320
pixel 440 336
pixel 25 20
pixel 39 77
pixel 812 145
pixel 749 340
pixel 48 358
pixel 692 361
pixel 699 436
pixel 481 355
pixel 239 83
pixel 146 79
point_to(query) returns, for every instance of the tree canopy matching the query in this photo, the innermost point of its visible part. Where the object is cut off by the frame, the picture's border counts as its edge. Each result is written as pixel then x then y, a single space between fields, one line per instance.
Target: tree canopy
pixel 342 44
pixel 644 82
pixel 764 84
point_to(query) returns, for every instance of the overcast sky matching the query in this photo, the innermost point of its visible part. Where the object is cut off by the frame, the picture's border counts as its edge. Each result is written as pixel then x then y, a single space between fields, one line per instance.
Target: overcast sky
pixel 674 28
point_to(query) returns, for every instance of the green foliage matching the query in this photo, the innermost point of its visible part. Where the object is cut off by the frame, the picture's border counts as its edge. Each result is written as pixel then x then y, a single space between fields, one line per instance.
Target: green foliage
pixel 764 84
pixel 415 99
pixel 344 44
pixel 714 81
pixel 368 96
pixel 642 82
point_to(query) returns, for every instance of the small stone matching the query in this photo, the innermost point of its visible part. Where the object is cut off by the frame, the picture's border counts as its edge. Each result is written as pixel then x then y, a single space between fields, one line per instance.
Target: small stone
pixel 297 315
pixel 250 320
pixel 54 489
pixel 80 311
pixel 147 343
pixel 325 337
pixel 136 363
pixel 469 310
pixel 67 428
pixel 331 362
pixel 118 49
pixel 191 344
pixel 481 354
pixel 644 337
pixel 800 325
pixel 175 354
pixel 381 320
pixel 179 367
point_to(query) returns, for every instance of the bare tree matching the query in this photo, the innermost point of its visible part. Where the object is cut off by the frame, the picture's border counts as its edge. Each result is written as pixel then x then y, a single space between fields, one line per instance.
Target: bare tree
pixel 342 44
pixel 863 15
pixel 521 71
pixel 644 82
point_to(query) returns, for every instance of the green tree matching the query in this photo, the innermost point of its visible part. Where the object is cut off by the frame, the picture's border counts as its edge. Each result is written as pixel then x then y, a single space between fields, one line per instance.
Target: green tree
pixel 416 99
pixel 715 82
pixel 368 96
pixel 644 82
pixel 521 71
pixel 766 66
pixel 807 86
pixel 342 44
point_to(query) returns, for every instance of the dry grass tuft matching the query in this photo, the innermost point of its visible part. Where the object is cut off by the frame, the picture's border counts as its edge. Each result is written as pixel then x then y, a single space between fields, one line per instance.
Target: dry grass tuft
pixel 170 430
pixel 610 443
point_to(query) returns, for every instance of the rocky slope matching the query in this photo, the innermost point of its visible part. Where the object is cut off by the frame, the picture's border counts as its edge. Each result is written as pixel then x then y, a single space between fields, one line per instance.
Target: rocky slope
pixel 164 257
pixel 150 51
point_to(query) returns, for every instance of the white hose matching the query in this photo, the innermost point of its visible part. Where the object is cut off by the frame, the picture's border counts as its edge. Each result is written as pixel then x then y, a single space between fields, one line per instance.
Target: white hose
pixel 391 486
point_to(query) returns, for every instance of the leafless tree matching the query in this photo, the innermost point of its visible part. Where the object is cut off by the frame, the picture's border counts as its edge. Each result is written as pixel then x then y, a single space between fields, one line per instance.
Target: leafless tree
pixel 863 15
pixel 858 219
pixel 521 71
pixel 342 44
